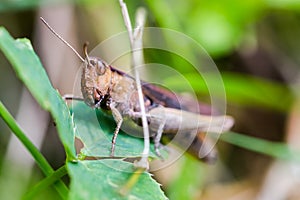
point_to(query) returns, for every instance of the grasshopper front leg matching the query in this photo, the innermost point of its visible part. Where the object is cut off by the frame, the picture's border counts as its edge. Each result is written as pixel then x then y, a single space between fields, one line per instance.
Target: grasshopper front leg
pixel 119 120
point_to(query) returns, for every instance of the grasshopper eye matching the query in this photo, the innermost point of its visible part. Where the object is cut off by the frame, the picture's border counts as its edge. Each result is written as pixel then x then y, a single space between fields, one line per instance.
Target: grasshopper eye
pixel 100 68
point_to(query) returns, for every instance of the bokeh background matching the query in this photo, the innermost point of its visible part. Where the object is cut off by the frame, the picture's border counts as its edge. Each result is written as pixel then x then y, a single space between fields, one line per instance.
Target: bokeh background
pixel 256 46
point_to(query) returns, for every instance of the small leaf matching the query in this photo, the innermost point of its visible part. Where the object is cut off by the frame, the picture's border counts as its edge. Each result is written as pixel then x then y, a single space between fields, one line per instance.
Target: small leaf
pixel 104 179
pixel 95 129
pixel 30 70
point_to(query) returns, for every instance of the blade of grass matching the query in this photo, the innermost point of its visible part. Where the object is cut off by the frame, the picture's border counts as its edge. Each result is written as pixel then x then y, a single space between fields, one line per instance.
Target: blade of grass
pixel 52 179
pixel 241 89
pixel 274 149
pixel 38 157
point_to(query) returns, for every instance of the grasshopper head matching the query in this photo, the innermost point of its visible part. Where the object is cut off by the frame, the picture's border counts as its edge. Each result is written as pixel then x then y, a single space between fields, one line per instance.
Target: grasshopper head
pixel 95 82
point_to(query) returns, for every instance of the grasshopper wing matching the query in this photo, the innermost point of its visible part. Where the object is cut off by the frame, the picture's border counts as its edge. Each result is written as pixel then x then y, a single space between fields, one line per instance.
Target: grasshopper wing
pixel 201 147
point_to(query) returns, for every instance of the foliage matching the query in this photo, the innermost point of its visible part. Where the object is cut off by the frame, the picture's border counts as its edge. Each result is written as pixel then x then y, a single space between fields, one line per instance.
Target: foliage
pixel 29 69
pixel 220 26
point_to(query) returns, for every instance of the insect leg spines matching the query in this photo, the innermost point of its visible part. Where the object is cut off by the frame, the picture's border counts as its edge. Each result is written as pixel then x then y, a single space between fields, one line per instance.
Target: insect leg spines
pixel 119 120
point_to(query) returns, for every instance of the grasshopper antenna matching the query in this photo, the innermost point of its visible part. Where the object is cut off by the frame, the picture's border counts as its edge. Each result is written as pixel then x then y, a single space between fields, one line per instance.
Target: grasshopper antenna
pixel 65 97
pixel 85 45
pixel 62 39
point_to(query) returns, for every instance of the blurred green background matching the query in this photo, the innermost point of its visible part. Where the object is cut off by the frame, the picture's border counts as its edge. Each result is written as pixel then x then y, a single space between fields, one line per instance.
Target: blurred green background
pixel 255 44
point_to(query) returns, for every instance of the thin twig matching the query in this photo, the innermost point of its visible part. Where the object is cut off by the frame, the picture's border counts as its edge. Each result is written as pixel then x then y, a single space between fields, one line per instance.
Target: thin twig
pixel 138 60
pixel 127 21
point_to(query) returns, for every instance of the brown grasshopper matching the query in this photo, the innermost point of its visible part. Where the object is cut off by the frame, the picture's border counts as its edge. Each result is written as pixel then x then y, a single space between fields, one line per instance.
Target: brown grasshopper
pixel 112 90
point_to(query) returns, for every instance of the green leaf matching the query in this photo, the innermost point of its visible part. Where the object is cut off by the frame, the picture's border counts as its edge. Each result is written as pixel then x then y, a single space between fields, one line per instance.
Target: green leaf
pixel 95 130
pixel 242 89
pixel 219 26
pixel 30 70
pixel 105 179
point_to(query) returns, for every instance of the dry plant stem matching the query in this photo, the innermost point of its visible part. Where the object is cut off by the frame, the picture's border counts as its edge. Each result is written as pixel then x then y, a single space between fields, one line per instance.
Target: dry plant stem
pixel 127 21
pixel 137 60
pixel 281 176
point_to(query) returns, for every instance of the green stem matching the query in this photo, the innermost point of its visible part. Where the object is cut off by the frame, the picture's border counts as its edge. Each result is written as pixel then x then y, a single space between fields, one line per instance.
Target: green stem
pixel 38 157
pixel 52 179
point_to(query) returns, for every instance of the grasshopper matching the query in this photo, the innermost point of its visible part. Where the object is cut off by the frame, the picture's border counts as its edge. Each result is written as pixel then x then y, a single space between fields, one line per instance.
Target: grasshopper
pixel 107 88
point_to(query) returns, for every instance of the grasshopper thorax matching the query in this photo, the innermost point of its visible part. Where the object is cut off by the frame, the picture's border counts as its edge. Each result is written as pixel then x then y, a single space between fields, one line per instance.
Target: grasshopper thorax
pixel 96 82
